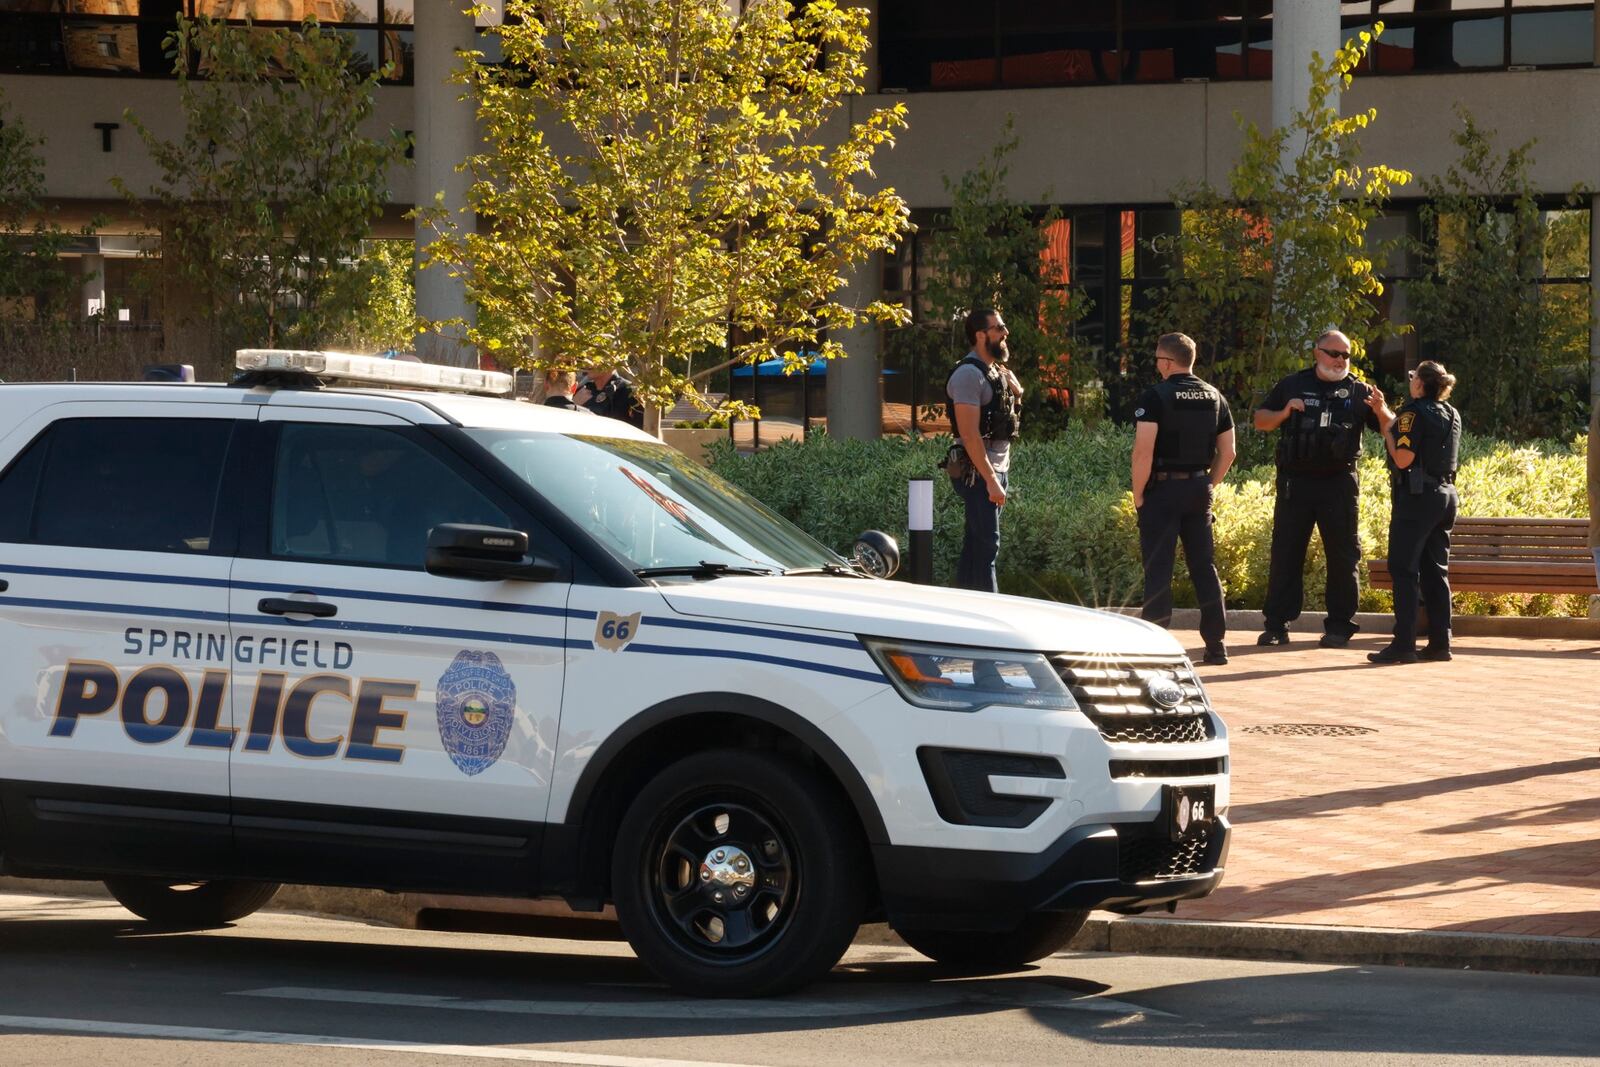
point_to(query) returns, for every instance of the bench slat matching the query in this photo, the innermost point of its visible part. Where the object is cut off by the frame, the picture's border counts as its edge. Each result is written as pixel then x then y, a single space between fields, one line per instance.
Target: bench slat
pixel 1475 520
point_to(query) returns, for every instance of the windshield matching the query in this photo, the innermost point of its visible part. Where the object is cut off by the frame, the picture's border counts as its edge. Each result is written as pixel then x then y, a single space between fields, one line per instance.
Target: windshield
pixel 652 507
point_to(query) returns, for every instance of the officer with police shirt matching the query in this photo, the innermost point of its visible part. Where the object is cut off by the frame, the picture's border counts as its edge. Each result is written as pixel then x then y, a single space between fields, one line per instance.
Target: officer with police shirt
pixel 1424 442
pixel 1319 413
pixel 986 409
pixel 1182 448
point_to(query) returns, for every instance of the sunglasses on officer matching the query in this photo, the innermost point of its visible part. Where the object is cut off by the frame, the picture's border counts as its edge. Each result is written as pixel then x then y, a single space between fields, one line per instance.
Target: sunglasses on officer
pixel 1333 353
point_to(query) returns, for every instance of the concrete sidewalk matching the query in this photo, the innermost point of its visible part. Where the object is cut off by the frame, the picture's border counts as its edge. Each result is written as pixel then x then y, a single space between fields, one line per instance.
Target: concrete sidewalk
pixel 1461 796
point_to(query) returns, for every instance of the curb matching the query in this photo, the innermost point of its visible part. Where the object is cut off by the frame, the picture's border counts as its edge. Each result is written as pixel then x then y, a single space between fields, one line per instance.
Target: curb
pixel 1298 943
pixel 1374 624
pixel 1455 949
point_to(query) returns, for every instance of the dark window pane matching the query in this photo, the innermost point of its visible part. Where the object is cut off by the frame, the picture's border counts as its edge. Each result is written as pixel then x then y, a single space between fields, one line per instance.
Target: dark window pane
pixel 1089 245
pixel 937 44
pixel 1166 12
pixel 138 485
pixel 1158 231
pixel 102 46
pixel 17 488
pixel 1552 38
pixel 31 44
pixel 363 50
pixel 363 494
pixel 398 52
pixel 1057 43
pixel 1478 43
pixel 360 11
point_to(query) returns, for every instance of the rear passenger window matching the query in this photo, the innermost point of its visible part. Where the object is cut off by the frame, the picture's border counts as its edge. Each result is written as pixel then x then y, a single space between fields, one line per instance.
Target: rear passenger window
pixel 365 494
pixel 18 485
pixel 139 485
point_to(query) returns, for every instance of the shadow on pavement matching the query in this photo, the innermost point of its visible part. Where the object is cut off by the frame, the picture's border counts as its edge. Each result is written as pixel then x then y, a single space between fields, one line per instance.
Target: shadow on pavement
pixel 1376 796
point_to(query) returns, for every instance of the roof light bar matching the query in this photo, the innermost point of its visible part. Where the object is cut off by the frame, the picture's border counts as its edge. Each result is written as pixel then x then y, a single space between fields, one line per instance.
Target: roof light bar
pixel 374 370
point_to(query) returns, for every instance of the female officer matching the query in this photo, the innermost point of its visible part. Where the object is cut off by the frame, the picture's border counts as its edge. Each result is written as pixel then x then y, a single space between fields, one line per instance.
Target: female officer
pixel 1423 440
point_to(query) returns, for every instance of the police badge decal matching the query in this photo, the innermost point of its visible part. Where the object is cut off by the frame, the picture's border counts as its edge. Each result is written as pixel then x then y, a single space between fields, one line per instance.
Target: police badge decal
pixel 475 702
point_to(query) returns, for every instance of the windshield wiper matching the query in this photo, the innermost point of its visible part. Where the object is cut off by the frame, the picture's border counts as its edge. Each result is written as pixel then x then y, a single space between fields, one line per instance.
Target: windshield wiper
pixel 832 569
pixel 704 569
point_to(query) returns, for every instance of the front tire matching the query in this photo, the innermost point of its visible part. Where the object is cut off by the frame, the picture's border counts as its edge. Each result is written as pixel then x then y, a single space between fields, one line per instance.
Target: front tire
pixel 190 905
pixel 739 874
pixel 1041 934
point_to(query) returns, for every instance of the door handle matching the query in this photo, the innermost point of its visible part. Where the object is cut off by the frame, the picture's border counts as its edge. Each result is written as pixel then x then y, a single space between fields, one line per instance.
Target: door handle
pixel 281 606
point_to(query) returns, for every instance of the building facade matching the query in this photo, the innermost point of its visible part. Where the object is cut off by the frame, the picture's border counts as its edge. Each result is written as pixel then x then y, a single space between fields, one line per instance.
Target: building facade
pixel 1115 102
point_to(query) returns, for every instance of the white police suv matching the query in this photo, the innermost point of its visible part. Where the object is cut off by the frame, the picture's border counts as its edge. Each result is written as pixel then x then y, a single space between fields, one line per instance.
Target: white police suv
pixel 299 629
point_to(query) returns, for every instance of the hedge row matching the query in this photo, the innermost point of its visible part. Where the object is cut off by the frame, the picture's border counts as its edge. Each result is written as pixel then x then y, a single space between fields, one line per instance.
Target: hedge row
pixel 1069 531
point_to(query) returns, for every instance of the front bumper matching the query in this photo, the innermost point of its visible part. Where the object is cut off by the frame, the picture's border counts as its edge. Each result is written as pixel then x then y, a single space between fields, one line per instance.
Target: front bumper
pixel 1092 866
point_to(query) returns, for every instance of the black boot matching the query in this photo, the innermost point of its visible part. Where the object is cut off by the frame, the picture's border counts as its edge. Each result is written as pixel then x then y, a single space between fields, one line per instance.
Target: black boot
pixel 1393 654
pixel 1436 654
pixel 1273 635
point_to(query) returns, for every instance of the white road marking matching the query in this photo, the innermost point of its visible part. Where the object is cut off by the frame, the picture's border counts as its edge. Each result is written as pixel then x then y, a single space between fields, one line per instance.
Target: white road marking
pixel 261 1037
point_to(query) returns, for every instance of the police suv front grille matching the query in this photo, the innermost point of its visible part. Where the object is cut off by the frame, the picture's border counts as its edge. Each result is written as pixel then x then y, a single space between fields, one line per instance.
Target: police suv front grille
pixel 1117 696
pixel 1148 859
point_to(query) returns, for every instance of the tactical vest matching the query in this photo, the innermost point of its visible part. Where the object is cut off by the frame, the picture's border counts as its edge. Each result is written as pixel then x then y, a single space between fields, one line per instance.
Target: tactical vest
pixel 1187 435
pixel 1001 418
pixel 1435 436
pixel 1326 438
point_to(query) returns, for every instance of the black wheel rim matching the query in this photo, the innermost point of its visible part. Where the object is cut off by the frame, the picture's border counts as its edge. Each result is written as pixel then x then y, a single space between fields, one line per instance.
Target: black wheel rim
pixel 723 879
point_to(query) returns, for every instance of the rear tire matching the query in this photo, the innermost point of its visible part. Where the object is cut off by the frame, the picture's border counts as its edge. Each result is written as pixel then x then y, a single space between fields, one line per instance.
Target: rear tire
pixel 739 874
pixel 190 905
pixel 1041 934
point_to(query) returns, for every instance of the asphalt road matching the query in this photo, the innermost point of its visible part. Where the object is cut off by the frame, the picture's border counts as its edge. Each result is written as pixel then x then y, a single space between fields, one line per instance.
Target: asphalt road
pixel 81 981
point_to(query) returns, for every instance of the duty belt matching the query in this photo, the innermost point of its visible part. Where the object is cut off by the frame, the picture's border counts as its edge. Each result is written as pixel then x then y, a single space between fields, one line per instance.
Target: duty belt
pixel 1162 476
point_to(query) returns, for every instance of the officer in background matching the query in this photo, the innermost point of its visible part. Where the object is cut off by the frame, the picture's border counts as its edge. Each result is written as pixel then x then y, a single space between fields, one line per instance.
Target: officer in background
pixel 1424 443
pixel 1182 449
pixel 1320 413
pixel 986 409
pixel 610 394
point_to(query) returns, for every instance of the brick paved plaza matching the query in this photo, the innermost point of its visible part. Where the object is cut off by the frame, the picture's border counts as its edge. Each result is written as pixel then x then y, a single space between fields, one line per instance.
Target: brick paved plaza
pixel 1472 804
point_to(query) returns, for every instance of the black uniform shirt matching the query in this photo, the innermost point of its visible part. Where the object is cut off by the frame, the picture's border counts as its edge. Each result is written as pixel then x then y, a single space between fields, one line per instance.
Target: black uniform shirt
pixel 616 401
pixel 1321 448
pixel 1172 405
pixel 1431 431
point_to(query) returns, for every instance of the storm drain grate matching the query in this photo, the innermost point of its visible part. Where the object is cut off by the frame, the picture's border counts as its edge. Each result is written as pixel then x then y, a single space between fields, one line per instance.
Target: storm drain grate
pixel 1308 729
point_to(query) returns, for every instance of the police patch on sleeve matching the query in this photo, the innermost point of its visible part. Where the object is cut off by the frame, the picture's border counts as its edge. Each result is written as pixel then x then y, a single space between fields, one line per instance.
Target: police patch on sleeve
pixel 475 703
pixel 1407 420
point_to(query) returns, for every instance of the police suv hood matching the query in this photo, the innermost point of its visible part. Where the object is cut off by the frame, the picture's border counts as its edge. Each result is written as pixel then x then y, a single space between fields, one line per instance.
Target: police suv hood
pixel 917 613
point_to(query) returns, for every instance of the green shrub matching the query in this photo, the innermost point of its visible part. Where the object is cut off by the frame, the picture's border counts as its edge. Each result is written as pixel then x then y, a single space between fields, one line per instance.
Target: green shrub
pixel 1069 532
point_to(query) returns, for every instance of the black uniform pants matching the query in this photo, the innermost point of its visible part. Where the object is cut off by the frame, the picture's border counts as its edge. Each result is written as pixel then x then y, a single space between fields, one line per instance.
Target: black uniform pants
pixel 1329 504
pixel 1180 509
pixel 1419 559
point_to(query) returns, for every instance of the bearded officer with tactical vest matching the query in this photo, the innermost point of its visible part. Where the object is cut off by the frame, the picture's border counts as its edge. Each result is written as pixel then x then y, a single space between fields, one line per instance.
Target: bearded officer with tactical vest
pixel 1319 414
pixel 986 406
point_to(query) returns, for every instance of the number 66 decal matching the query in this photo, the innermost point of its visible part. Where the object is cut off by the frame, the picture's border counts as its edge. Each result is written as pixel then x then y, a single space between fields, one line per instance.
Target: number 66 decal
pixel 612 631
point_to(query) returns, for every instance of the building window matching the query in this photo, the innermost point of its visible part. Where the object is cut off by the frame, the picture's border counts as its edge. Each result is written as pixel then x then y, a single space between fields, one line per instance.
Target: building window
pixel 1018 44
pixel 1437 36
pixel 127 37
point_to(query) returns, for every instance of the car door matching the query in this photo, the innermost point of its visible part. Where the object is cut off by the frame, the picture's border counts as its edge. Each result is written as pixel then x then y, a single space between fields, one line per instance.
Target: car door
pixel 116 538
pixel 397 727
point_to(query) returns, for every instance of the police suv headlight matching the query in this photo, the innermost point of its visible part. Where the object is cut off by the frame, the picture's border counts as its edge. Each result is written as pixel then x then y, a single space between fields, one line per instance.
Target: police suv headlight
pixel 953 678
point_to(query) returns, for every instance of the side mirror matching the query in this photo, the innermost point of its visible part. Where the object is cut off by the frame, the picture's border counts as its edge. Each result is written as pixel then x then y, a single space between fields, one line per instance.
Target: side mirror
pixel 459 550
pixel 877 553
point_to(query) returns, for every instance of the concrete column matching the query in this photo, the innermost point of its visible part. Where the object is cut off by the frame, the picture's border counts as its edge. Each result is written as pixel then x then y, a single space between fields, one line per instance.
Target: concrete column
pixel 445 131
pixel 855 383
pixel 1299 28
pixel 94 285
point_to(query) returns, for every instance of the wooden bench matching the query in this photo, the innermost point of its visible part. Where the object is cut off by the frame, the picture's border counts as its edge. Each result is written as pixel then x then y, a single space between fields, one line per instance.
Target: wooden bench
pixel 1514 556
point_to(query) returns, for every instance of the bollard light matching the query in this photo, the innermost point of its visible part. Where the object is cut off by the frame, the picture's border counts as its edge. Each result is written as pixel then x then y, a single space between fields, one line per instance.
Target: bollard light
pixel 919 520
